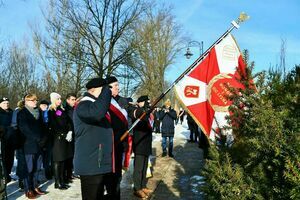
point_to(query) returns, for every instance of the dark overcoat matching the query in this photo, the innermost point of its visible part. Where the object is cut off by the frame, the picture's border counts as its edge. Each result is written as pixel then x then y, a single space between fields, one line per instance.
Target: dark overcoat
pixel 167 118
pixel 119 122
pixel 93 135
pixel 142 133
pixel 59 126
pixel 33 130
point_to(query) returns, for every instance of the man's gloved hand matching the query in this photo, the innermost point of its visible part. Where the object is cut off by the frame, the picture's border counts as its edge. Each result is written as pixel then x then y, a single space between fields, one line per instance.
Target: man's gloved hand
pixel 69 136
pixel 147 106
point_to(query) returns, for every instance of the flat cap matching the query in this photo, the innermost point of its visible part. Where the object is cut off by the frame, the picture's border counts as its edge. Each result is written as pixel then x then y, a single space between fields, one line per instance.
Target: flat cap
pixel 95 82
pixel 142 98
pixel 111 79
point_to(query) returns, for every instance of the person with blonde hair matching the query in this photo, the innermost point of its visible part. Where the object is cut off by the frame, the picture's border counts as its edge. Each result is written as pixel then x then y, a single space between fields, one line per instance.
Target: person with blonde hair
pixel 167 116
pixel 30 123
pixel 60 128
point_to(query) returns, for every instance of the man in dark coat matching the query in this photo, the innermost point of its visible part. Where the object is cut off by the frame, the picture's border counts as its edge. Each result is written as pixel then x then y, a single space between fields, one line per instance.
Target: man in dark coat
pixel 167 117
pixel 142 147
pixel 30 122
pixel 69 107
pixel 194 133
pixel 47 151
pixel 119 122
pixel 7 147
pixel 156 125
pixel 93 158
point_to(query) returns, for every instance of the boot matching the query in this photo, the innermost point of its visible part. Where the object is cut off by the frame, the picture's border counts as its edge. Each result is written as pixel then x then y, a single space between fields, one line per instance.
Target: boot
pixel 57 176
pixel 171 153
pixel 21 184
pixel 62 176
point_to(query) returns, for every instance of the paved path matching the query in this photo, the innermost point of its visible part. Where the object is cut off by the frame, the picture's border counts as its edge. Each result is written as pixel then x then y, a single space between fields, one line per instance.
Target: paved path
pixel 173 178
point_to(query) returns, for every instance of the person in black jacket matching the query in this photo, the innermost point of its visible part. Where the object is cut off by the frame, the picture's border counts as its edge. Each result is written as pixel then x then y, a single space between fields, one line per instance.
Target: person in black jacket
pixel 61 130
pixel 7 147
pixel 69 107
pixel 47 151
pixel 30 122
pixel 193 127
pixel 119 122
pixel 93 158
pixel 167 117
pixel 142 146
pixel 157 122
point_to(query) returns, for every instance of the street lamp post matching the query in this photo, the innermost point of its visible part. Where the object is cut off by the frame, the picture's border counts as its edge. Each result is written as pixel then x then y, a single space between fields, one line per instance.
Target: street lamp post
pixel 193 43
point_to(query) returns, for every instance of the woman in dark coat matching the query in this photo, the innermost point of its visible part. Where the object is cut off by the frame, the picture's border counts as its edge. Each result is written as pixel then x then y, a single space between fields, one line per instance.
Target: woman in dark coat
pixel 30 123
pixel 167 117
pixel 61 130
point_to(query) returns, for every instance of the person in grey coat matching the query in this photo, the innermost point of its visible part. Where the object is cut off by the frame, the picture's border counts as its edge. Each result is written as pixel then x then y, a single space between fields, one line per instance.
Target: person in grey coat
pixel 167 117
pixel 93 158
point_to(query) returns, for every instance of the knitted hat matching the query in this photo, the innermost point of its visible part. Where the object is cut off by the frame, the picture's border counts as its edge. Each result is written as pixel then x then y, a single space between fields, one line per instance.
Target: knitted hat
pixel 4 99
pixel 142 98
pixel 44 101
pixel 54 96
pixel 111 79
pixel 95 83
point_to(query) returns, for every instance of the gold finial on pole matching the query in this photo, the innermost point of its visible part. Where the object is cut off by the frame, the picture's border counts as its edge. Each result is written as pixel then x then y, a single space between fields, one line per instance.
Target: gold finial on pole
pixel 243 17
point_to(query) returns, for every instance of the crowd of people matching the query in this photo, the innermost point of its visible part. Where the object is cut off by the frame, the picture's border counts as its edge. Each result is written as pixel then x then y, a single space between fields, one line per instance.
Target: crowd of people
pixel 84 138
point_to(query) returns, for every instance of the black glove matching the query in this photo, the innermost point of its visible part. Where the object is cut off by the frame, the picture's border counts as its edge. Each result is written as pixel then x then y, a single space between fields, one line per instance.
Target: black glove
pixel 147 106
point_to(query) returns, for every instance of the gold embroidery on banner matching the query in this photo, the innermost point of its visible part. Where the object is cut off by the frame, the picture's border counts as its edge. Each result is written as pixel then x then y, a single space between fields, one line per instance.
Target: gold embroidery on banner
pixel 221 94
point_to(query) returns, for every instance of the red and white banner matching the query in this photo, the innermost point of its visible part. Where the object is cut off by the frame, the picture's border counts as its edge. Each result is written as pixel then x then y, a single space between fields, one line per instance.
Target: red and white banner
pixel 204 90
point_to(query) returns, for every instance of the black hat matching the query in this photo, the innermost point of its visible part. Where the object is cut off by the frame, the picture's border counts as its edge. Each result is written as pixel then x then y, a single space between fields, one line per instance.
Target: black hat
pixel 4 99
pixel 111 79
pixel 95 82
pixel 142 98
pixel 44 101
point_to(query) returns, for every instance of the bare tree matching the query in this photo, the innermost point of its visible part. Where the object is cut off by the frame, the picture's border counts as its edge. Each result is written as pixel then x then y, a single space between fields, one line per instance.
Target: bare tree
pixel 103 28
pixel 157 43
pixel 60 56
pixel 19 73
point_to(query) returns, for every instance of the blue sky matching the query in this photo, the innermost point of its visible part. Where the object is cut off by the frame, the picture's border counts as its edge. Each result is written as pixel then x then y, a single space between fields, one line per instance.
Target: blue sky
pixel 269 23
pixel 201 20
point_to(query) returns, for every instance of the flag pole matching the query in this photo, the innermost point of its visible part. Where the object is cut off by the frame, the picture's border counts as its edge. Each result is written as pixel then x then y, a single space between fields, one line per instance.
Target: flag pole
pixel 234 24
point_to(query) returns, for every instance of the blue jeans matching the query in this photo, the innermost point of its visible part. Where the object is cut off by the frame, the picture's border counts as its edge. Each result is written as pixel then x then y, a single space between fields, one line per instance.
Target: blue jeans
pixel 164 144
pixel 33 162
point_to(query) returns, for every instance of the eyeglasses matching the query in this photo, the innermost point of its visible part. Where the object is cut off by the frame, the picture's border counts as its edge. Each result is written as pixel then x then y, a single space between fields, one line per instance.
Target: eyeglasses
pixel 36 100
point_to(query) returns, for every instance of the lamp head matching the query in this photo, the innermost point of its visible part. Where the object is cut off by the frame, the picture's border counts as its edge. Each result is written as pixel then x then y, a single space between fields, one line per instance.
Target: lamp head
pixel 188 53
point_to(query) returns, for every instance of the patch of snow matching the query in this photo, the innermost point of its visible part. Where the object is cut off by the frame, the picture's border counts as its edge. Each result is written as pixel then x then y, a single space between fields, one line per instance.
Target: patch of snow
pixel 198 178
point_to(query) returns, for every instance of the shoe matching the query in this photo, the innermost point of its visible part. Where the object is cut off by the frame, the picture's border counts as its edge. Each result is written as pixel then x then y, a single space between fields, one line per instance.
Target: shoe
pixel 164 154
pixel 60 186
pixel 30 195
pixel 39 191
pixel 140 194
pixel 171 155
pixel 147 191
